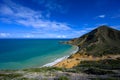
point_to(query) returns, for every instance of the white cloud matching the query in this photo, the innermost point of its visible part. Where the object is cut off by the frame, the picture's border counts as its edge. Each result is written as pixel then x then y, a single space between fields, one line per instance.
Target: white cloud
pixel 27 17
pixel 4 34
pixel 61 36
pixel 52 5
pixel 116 27
pixel 28 36
pixel 102 16
pixel 30 18
pixel 44 24
pixel 100 24
pixel 4 9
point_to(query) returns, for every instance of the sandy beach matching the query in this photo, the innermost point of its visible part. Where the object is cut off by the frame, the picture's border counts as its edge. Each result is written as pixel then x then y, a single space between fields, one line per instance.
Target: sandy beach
pixel 59 60
pixel 77 58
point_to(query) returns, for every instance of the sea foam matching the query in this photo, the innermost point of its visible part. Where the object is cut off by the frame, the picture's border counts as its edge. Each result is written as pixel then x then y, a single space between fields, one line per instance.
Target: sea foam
pixel 61 59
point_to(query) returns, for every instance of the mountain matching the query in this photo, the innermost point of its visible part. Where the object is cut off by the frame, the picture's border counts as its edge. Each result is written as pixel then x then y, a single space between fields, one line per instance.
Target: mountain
pixel 100 41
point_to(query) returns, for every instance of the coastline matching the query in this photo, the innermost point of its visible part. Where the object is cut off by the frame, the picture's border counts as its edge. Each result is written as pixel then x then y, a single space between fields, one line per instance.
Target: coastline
pixel 62 58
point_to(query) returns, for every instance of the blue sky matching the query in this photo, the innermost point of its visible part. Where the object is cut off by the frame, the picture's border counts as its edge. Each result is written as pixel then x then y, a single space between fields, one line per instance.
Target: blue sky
pixel 56 18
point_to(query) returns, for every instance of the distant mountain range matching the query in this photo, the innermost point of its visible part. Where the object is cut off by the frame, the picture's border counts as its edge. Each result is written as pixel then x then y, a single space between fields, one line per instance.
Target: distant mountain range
pixel 100 41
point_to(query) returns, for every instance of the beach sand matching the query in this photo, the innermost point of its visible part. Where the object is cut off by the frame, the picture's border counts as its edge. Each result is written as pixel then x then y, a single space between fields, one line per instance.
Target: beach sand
pixel 59 60
pixel 67 63
pixel 76 58
pixel 73 60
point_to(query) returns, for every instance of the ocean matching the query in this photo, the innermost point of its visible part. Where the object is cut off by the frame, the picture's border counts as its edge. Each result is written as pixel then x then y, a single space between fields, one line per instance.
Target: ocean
pixel 31 53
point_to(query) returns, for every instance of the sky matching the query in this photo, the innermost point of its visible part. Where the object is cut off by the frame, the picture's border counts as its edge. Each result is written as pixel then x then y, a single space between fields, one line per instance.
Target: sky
pixel 56 18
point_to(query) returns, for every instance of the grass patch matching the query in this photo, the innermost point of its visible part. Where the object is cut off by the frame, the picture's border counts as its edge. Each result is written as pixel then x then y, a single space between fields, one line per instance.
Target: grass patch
pixel 44 69
pixel 97 71
pixel 101 67
pixel 62 78
pixel 108 64
pixel 10 75
pixel 105 79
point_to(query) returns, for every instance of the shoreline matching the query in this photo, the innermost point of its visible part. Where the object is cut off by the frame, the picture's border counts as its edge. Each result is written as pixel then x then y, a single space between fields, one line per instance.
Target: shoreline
pixel 61 59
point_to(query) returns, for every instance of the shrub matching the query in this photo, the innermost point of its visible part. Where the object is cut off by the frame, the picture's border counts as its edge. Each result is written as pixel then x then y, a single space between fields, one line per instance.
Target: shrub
pixel 63 78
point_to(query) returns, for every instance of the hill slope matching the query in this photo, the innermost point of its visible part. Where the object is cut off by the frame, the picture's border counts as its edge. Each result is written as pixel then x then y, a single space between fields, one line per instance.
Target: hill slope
pixel 100 41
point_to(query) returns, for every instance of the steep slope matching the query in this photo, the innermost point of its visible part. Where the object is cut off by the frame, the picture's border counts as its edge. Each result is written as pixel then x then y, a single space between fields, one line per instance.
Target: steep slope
pixel 100 41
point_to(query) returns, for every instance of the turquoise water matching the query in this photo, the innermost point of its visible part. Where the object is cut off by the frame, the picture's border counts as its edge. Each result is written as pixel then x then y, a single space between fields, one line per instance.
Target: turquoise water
pixel 27 53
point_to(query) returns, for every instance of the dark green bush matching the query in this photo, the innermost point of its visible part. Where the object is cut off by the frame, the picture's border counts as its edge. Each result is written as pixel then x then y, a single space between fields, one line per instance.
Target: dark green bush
pixel 63 78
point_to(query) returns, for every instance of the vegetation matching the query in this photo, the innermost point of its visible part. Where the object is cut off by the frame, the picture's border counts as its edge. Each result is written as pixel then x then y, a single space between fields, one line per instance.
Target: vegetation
pixel 8 76
pixel 105 79
pixel 97 71
pixel 101 67
pixel 63 78
pixel 100 41
pixel 109 64
pixel 44 69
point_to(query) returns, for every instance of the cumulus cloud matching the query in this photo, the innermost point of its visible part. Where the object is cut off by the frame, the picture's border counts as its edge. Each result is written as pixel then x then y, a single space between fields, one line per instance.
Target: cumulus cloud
pixel 28 36
pixel 4 34
pixel 61 36
pixel 101 16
